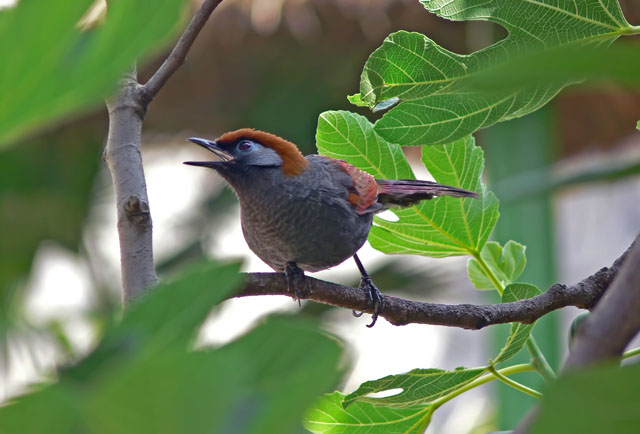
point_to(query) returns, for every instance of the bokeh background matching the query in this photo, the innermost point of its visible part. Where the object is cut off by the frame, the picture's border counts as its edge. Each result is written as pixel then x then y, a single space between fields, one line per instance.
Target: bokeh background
pixel 567 178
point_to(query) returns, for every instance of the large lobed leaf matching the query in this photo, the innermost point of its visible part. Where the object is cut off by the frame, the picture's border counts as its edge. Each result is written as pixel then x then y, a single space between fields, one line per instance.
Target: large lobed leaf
pixel 351 137
pixel 443 226
pixel 436 108
pixel 52 68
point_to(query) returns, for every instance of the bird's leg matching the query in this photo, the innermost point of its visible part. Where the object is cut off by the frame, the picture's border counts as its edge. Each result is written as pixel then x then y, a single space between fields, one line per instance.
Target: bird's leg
pixel 372 292
pixel 295 276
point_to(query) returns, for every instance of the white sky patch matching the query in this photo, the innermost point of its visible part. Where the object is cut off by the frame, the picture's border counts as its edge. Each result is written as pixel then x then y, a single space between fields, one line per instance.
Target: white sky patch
pixel 7 3
pixel 59 285
pixel 174 190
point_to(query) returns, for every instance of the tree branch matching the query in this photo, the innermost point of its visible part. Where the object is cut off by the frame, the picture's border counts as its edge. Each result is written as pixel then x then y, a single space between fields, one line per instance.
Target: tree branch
pixel 123 154
pixel 614 322
pixel 179 53
pixel 609 329
pixel 124 158
pixel 398 311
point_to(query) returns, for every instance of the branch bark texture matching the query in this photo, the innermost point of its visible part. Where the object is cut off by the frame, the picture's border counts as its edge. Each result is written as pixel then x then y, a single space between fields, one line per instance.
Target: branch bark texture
pixel 609 329
pixel 398 311
pixel 615 320
pixel 124 157
pixel 123 154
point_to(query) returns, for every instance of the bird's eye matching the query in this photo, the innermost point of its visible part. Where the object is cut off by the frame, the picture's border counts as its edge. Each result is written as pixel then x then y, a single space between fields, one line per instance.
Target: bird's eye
pixel 245 145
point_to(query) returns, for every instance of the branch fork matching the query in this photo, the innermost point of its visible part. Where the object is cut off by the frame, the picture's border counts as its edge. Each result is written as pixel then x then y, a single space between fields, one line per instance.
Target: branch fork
pixel 123 155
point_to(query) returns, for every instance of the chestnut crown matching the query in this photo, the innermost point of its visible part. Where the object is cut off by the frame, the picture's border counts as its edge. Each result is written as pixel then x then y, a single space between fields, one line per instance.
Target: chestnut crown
pixel 249 147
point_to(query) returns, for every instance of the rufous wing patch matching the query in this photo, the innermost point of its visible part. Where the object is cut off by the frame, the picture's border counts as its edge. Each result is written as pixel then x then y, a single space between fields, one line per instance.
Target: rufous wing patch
pixel 293 162
pixel 364 192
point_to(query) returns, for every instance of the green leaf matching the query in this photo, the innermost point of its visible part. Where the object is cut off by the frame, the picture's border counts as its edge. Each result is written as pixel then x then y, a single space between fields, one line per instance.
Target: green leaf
pixel 419 386
pixel 144 378
pixel 262 383
pixel 619 62
pixel 426 77
pixel 56 68
pixel 519 332
pixel 55 406
pixel 45 194
pixel 350 137
pixel 444 226
pixel 596 400
pixel 167 316
pixel 328 416
pixel 506 264
pixel 293 362
pixel 356 100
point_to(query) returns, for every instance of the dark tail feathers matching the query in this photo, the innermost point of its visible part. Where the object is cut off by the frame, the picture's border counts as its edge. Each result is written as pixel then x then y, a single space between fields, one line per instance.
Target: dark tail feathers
pixel 408 192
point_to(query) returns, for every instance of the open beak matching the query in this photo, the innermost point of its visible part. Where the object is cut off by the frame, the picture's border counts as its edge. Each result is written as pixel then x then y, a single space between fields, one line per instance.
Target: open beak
pixel 211 146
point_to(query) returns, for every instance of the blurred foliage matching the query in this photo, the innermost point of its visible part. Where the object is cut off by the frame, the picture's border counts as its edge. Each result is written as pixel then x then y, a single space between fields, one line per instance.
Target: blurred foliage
pixel 45 191
pixel 619 63
pixel 592 401
pixel 144 378
pixel 56 68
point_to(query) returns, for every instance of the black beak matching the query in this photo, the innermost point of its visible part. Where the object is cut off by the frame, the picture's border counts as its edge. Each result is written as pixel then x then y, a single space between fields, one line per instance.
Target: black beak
pixel 211 146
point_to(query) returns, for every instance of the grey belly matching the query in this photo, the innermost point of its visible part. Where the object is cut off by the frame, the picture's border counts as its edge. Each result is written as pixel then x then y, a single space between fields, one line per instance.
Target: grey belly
pixel 313 236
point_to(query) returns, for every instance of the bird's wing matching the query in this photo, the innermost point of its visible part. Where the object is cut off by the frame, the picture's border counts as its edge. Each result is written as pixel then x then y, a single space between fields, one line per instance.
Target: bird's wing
pixel 363 194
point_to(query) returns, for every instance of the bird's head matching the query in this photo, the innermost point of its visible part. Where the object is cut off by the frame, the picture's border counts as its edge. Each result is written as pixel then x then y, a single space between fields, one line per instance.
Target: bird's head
pixel 240 150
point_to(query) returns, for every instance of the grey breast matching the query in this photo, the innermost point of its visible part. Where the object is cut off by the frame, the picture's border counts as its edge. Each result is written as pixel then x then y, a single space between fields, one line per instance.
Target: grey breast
pixel 304 219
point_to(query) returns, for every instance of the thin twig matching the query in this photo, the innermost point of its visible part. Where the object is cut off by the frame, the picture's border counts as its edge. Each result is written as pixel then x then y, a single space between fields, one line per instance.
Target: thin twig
pixel 398 311
pixel 179 53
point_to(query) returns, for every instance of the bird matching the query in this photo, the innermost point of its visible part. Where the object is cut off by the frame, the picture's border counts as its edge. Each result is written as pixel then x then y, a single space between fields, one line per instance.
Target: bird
pixel 308 213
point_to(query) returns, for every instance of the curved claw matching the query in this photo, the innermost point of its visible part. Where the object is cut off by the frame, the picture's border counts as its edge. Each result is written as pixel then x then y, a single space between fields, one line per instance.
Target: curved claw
pixel 374 295
pixel 374 317
pixel 357 314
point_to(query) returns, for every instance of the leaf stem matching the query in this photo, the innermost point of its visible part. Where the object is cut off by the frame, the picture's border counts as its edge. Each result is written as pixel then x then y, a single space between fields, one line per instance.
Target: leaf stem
pixel 539 361
pixel 537 357
pixel 489 272
pixel 510 370
pixel 518 386
pixel 631 353
pixel 631 30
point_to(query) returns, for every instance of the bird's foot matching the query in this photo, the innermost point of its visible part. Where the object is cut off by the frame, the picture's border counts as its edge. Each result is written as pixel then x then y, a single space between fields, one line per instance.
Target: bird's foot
pixel 295 279
pixel 375 297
